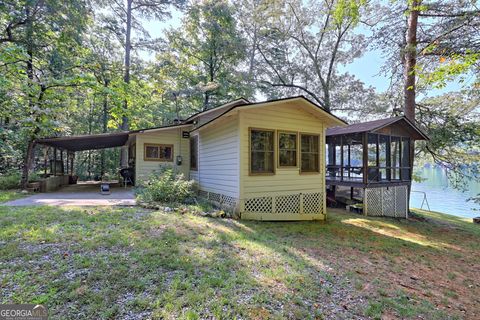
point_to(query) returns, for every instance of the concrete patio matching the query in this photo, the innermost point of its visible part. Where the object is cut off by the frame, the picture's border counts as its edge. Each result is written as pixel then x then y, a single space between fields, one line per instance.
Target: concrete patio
pixel 85 194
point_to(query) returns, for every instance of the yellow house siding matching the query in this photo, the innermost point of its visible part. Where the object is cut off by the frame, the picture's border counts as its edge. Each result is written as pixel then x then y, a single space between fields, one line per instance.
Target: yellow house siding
pixel 285 181
pixel 218 158
pixel 173 136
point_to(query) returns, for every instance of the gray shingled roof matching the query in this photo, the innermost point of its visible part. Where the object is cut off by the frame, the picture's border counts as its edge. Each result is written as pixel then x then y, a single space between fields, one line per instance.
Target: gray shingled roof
pixel 371 126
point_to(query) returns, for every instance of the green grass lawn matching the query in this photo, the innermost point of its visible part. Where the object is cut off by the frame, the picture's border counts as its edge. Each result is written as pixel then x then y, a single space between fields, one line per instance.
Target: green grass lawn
pixel 8 195
pixel 132 263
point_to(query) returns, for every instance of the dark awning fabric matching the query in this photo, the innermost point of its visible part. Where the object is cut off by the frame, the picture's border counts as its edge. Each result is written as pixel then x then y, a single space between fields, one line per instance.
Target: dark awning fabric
pixel 87 142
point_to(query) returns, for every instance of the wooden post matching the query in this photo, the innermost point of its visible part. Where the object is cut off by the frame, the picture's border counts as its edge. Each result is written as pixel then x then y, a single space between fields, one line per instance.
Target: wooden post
pixel 68 154
pixel 365 158
pixel 377 161
pixel 61 160
pixel 71 163
pixel 45 151
pixel 55 161
pixel 341 158
pixel 349 162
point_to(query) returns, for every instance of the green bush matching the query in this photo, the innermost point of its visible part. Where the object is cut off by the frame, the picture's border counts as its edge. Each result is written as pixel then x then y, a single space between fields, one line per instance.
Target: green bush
pixel 166 187
pixel 11 180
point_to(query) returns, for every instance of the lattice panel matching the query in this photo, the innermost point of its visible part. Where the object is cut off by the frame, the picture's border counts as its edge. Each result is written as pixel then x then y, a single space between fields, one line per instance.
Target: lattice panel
pixel 229 201
pixel 287 204
pixel 216 197
pixel 401 201
pixel 388 202
pixel 219 199
pixel 373 201
pixel 391 202
pixel 203 194
pixel 259 205
pixel 312 203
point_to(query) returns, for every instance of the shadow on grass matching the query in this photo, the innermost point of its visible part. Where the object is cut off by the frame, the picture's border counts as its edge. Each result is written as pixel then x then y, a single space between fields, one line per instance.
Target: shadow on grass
pixel 119 262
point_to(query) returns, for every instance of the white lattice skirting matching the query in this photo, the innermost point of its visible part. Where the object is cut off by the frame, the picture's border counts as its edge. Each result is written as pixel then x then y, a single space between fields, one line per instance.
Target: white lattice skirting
pixel 298 203
pixel 219 199
pixel 389 202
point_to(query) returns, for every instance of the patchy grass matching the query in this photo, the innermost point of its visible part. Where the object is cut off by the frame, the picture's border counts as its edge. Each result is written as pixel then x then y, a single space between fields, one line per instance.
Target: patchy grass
pixel 133 263
pixel 8 195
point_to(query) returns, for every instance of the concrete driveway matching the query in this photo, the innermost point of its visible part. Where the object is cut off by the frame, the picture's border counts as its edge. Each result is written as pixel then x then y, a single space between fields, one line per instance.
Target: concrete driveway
pixel 78 195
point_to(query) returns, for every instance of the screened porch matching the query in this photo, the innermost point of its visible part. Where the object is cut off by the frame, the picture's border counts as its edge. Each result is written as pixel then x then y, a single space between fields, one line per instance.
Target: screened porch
pixel 367 158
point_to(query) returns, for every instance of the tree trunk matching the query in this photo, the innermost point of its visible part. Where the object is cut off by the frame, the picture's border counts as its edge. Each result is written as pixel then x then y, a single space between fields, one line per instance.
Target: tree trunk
pixel 104 123
pixel 27 162
pixel 126 79
pixel 410 60
pixel 252 54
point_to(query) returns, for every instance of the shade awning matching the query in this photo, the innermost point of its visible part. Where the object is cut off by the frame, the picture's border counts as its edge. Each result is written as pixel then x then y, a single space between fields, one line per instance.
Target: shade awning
pixel 87 142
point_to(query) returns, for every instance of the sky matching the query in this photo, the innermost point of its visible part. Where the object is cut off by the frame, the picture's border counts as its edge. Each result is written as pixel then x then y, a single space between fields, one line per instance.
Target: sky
pixel 366 68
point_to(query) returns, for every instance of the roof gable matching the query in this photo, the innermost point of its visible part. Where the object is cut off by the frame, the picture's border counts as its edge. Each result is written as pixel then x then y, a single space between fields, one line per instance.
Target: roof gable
pixel 224 107
pixel 378 126
pixel 329 119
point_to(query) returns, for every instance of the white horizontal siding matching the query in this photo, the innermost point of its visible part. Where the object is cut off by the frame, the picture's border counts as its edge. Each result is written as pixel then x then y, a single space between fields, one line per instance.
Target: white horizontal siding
pixel 219 158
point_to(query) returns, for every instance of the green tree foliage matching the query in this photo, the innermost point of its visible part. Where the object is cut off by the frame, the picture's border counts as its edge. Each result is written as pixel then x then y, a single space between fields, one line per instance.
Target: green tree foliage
pixel 40 54
pixel 203 57
pixel 453 124
pixel 301 46
pixel 446 49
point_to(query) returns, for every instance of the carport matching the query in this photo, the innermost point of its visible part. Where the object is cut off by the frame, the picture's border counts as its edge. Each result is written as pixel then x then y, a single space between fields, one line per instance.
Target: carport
pixel 81 194
pixel 59 155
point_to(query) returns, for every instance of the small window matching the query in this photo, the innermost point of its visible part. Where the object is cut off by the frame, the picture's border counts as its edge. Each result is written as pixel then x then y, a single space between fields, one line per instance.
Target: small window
pixel 158 152
pixel 194 153
pixel 310 153
pixel 262 151
pixel 287 149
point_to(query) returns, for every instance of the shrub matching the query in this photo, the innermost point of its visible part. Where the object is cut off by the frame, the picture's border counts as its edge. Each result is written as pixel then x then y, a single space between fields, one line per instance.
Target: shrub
pixel 166 187
pixel 11 180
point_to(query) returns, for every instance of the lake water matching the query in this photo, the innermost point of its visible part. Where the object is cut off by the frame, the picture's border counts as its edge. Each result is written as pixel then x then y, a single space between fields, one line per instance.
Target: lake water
pixel 441 197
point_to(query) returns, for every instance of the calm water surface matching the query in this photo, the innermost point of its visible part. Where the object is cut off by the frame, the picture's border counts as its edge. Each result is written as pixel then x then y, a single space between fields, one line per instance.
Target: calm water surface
pixel 441 197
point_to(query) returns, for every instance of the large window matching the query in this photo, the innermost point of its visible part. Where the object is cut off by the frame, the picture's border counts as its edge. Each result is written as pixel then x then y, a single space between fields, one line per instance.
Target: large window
pixel 158 152
pixel 194 153
pixel 287 149
pixel 310 153
pixel 262 151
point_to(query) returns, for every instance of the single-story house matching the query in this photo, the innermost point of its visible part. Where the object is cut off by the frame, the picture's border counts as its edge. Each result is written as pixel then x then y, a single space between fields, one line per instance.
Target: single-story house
pixel 273 160
pixel 266 160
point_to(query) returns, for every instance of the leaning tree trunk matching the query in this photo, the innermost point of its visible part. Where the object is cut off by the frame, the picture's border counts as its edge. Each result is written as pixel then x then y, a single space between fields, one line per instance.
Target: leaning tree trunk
pixel 126 79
